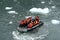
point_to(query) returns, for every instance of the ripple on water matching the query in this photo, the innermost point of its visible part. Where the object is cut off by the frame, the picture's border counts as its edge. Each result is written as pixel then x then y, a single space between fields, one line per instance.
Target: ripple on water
pixel 41 34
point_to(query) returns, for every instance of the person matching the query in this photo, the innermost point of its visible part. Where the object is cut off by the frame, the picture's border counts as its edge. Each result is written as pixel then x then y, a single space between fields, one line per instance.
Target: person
pixel 28 20
pixel 25 21
pixel 30 25
pixel 33 23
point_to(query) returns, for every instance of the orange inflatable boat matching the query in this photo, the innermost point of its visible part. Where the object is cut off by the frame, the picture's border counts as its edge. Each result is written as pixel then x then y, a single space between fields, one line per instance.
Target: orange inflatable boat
pixel 29 24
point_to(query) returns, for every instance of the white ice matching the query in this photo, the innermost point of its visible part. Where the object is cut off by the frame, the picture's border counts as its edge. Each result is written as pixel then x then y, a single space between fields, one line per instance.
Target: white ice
pixel 53 7
pixel 42 2
pixel 55 21
pixel 10 22
pixel 12 12
pixel 8 8
pixel 29 16
pixel 40 10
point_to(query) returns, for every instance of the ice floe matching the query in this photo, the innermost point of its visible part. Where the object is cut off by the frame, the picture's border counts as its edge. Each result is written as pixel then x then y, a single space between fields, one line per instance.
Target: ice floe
pixel 40 10
pixel 8 8
pixel 29 16
pixel 42 2
pixel 10 22
pixel 12 12
pixel 53 7
pixel 55 21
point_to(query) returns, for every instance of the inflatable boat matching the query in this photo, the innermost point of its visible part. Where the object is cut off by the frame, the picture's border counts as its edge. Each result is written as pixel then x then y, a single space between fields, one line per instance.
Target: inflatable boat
pixel 29 26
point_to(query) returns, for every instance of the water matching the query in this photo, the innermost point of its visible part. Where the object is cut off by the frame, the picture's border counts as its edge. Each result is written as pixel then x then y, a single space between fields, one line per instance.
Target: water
pixel 9 21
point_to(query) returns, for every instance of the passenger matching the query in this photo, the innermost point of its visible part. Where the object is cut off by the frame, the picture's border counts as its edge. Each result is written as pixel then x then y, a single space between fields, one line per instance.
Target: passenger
pixel 28 20
pixel 23 22
pixel 33 21
pixel 30 25
pixel 36 20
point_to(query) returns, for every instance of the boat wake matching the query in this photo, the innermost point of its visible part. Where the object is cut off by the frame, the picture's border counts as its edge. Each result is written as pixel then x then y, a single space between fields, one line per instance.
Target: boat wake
pixel 37 35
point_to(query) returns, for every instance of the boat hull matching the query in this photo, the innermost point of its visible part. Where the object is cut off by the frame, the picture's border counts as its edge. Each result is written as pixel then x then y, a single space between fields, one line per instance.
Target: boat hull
pixel 22 29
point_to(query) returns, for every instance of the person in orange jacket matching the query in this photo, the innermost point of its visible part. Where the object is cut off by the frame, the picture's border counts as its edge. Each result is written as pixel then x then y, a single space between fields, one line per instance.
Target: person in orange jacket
pixel 30 25
pixel 26 21
pixel 37 20
pixel 34 22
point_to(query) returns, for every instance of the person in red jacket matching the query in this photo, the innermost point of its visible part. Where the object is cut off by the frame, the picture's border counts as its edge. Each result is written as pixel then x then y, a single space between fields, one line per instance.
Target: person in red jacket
pixel 25 21
pixel 30 25
pixel 33 23
pixel 37 20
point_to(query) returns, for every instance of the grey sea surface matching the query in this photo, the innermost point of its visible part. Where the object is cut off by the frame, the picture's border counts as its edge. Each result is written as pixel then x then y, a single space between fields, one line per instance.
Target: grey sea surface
pixel 12 11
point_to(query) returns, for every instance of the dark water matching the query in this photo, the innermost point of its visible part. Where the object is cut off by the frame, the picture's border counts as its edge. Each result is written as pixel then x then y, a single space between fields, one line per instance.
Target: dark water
pixel 48 31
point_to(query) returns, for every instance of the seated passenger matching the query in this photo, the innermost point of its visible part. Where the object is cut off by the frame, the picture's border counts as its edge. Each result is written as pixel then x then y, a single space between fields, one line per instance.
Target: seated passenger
pixel 30 25
pixel 33 22
pixel 26 21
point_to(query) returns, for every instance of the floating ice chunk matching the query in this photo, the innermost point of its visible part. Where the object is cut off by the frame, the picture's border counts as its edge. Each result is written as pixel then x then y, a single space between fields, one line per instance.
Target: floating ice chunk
pixel 55 21
pixel 27 16
pixel 39 10
pixel 33 17
pixel 42 2
pixel 12 12
pixel 53 7
pixel 10 22
pixel 8 8
pixel 45 10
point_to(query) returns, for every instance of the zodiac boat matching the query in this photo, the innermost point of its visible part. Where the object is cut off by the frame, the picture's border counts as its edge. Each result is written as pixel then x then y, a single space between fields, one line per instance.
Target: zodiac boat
pixel 29 24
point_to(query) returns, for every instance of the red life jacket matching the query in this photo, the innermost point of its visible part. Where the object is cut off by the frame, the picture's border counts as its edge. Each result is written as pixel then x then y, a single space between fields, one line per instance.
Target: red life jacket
pixel 30 25
pixel 23 22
